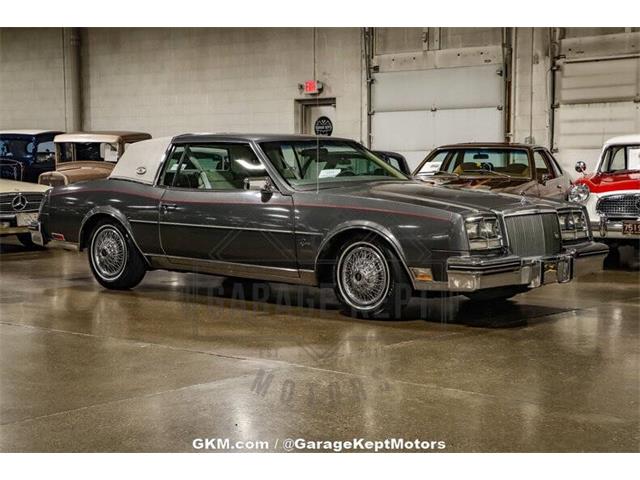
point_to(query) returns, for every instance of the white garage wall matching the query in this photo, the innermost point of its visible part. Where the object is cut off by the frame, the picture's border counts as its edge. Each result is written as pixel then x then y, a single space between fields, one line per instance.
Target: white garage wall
pixel 167 81
pixel 31 78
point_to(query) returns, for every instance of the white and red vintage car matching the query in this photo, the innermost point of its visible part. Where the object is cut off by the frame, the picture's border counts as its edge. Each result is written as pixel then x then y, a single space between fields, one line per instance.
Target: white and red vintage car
pixel 612 193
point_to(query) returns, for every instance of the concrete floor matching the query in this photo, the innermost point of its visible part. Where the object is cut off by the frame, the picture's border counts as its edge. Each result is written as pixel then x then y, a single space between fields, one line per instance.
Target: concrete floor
pixel 178 358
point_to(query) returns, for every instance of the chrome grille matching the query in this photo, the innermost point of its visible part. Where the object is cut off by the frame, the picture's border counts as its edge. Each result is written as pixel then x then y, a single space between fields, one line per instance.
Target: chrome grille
pixel 534 235
pixel 623 205
pixel 32 202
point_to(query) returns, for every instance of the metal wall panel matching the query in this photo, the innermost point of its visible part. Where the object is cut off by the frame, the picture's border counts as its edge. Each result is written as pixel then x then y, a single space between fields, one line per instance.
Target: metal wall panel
pixel 416 111
pixel 597 100
pixel 463 87
pixel 415 133
pixel 600 81
pixel 583 128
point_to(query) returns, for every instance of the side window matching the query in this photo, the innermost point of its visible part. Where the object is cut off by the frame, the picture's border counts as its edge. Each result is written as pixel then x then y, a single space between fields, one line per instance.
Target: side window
pixel 616 158
pixel 394 163
pixel 217 167
pixel 542 165
pixel 171 166
pixel 556 166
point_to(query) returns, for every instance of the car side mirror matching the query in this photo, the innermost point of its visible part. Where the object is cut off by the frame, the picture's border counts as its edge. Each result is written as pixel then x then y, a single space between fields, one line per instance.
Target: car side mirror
pixel 545 178
pixel 262 184
pixel 581 167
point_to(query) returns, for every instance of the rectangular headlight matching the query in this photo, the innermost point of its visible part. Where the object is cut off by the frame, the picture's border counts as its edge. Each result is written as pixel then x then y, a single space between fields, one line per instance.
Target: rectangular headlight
pixel 483 233
pixel 573 224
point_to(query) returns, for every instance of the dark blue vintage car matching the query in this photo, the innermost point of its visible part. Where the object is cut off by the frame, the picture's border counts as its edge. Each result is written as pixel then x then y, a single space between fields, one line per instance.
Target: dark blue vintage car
pixel 25 154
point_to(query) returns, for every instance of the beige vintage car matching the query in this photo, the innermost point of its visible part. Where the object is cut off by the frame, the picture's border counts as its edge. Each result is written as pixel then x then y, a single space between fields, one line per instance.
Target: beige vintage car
pixel 88 155
pixel 19 204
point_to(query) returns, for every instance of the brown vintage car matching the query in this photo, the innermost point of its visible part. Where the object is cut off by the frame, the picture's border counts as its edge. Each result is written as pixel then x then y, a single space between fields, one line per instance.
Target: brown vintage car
pixel 88 155
pixel 517 168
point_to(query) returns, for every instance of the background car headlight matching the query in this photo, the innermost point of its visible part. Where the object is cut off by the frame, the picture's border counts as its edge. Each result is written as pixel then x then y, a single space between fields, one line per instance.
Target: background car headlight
pixel 579 193
pixel 483 233
pixel 573 224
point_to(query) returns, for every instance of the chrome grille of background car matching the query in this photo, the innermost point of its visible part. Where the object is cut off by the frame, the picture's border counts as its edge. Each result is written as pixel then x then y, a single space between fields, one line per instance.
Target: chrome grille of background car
pixel 534 235
pixel 624 205
pixel 33 202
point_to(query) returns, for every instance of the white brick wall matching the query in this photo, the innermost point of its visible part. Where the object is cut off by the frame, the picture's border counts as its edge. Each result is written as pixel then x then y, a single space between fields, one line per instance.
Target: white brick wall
pixel 168 81
pixel 31 78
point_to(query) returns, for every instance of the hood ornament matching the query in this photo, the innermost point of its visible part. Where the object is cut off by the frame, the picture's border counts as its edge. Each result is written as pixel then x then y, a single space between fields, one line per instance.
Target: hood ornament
pixel 523 198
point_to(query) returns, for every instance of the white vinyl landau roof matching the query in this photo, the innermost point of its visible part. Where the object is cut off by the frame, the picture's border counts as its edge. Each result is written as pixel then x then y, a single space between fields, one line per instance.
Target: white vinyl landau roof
pixel 141 160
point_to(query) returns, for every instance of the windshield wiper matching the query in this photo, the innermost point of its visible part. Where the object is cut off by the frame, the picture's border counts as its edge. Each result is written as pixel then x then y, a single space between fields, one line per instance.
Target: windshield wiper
pixel 444 172
pixel 490 171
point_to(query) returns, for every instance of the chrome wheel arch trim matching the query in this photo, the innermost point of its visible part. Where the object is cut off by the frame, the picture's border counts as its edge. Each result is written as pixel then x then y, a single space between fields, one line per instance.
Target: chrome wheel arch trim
pixel 373 228
pixel 115 214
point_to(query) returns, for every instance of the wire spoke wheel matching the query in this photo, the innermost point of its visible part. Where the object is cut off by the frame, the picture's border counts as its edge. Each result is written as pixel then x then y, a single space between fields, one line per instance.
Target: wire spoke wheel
pixel 109 252
pixel 363 276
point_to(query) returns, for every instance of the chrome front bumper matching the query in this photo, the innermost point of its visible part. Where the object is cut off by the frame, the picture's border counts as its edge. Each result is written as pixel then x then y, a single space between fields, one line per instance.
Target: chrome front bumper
pixel 36 234
pixel 607 229
pixel 471 274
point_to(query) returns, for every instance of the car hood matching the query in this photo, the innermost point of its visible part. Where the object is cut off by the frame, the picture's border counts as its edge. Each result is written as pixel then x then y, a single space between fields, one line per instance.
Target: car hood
pixel 454 199
pixel 495 183
pixel 12 186
pixel 610 182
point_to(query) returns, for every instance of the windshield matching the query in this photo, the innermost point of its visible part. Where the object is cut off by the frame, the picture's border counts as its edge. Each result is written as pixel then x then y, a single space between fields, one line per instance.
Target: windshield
pixel 16 148
pixel 317 163
pixel 478 162
pixel 621 158
pixel 93 151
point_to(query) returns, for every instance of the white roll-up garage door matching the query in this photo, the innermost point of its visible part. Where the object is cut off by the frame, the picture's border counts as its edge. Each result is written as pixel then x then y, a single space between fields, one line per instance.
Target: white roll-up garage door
pixel 416 111
pixel 598 99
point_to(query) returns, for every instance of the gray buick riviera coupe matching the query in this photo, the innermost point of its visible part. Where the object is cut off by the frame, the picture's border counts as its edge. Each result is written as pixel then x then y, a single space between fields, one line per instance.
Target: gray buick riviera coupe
pixel 312 211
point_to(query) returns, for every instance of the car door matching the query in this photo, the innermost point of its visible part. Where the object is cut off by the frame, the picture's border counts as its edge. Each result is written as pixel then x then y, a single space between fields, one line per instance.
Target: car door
pixel 551 183
pixel 207 215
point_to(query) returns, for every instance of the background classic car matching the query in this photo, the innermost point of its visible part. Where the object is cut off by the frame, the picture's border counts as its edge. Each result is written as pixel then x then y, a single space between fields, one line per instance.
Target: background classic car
pixel 88 155
pixel 19 204
pixel 501 167
pixel 25 154
pixel 612 194
pixel 312 211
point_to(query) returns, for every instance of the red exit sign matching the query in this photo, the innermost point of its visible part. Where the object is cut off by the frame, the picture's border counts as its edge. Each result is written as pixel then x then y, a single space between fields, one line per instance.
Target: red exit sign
pixel 311 87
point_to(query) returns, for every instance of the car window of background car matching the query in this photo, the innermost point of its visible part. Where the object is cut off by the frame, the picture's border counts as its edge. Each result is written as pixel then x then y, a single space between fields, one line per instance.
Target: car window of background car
pixel 45 152
pixel 217 167
pixel 90 151
pixel 433 165
pixel 542 165
pixel 311 162
pixel 16 148
pixel 555 165
pixel 633 158
pixel 508 161
pixel 616 159
pixel 65 152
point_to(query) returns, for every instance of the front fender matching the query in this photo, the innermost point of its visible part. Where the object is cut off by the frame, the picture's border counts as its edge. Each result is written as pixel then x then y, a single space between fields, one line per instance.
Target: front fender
pixel 373 227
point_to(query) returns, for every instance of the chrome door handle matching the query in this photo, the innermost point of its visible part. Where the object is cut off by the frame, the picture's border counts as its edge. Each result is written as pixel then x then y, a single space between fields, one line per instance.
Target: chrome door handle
pixel 168 206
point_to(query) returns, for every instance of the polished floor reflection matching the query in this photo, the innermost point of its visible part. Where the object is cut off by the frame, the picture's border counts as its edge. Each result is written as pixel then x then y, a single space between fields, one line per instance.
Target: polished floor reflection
pixel 187 356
